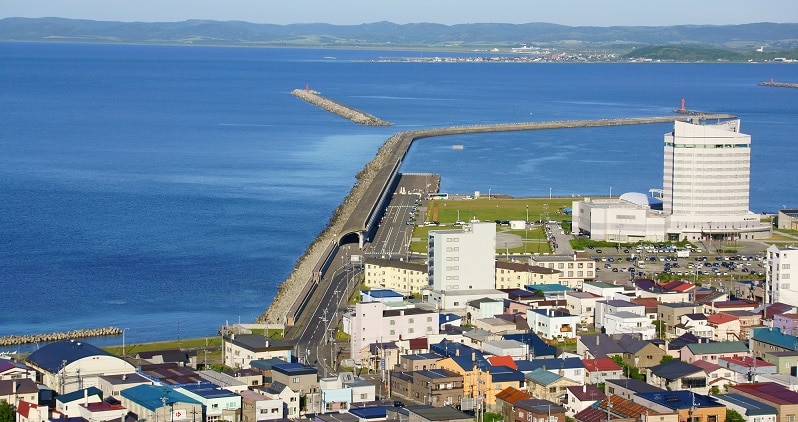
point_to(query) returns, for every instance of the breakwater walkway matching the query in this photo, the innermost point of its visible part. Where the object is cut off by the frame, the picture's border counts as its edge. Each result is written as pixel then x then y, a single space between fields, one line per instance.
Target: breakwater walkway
pixel 66 335
pixel 342 110
pixel 359 212
pixel 779 84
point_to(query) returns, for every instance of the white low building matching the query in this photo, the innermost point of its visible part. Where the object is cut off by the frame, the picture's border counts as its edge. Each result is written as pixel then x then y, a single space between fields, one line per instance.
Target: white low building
pixel 629 323
pixel 552 323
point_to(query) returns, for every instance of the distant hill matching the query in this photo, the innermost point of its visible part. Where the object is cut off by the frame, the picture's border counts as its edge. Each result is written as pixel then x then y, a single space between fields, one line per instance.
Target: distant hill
pixel 477 36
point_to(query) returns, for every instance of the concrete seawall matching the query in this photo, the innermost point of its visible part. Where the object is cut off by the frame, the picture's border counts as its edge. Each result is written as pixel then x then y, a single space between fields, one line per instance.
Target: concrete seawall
pixel 67 335
pixel 342 110
pixel 390 155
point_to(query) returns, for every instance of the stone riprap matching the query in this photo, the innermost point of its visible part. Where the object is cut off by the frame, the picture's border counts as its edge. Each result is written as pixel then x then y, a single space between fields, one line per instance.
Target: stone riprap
pixel 67 335
pixel 342 110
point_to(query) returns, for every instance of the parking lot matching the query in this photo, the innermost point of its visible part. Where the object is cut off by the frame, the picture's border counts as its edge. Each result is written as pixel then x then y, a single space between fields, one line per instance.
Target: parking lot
pixel 623 263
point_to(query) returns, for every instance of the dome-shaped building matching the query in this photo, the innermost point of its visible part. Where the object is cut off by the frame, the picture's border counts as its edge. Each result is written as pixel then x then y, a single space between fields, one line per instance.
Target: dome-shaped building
pixel 72 365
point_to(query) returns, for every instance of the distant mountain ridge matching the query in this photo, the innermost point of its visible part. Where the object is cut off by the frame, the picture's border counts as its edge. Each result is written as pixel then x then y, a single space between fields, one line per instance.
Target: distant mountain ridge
pixel 746 37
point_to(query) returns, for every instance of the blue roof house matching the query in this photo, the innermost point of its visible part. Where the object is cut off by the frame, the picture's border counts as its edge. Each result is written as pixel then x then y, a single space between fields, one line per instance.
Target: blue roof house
pixel 219 404
pixel 153 402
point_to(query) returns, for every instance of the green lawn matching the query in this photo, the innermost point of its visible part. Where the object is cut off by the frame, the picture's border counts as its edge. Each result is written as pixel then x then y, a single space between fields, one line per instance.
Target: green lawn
pixel 446 213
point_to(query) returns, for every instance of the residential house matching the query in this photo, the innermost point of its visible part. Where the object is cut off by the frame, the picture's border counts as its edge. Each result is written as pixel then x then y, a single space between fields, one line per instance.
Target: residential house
pixel 748 321
pixel 717 376
pixel 712 351
pixel 180 357
pixel 10 369
pixel 436 387
pixel 649 304
pixel 750 409
pixel 590 346
pixel 228 382
pixel 640 353
pixel 786 362
pixel 394 274
pixel 537 347
pixel 552 324
pixel 627 388
pixel 670 314
pixel 688 405
pixel 218 403
pixel 241 349
pixel 101 411
pixel 151 402
pixel 112 385
pixel 784 400
pixel 505 402
pixel 598 370
pixel 69 404
pixel 512 348
pixel 695 324
pixel 730 305
pixel 726 327
pixel 746 369
pixel 582 304
pixel 516 275
pixel 335 395
pixel 299 378
pixel 378 322
pixel 678 375
pixel 574 270
pixel 769 340
pixel 13 391
pixel 382 356
pixel 568 367
pixel 600 288
pixel 620 409
pixel 32 412
pixel 578 398
pixel 629 323
pixel 483 308
pixel 289 398
pixel 418 362
pixel 537 410
pixel 787 323
pixel 547 385
pixel 256 407
pixel 380 295
pixel 424 414
pixel 499 324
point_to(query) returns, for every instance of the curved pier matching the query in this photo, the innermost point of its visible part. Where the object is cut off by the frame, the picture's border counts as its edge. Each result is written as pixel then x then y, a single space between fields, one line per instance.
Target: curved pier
pixel 358 214
pixel 342 110
pixel 67 335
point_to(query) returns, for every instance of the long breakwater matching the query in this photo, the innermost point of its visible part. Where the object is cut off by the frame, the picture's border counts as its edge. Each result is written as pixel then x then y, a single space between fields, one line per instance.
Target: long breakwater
pixel 357 116
pixel 363 196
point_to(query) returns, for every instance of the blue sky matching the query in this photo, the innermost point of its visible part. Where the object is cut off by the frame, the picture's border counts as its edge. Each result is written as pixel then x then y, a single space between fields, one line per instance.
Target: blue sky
pixel 449 12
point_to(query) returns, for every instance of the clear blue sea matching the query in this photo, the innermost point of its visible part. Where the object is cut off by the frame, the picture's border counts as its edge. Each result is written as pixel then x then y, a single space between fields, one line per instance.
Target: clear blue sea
pixel 169 190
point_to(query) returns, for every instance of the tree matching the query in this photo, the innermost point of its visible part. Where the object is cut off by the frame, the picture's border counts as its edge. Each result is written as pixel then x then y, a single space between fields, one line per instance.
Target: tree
pixel 666 359
pixel 492 417
pixel 733 416
pixel 6 412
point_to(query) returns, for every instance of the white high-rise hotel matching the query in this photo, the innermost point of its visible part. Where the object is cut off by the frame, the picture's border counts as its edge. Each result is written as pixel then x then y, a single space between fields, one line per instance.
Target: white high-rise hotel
pixel 706 181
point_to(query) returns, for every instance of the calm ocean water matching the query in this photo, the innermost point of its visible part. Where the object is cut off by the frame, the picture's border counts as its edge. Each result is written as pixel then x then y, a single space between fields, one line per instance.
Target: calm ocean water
pixel 171 189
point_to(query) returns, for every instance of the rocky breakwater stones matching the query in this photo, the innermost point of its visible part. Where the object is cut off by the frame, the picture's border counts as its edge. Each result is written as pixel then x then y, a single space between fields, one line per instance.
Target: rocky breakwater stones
pixel 342 110
pixel 68 335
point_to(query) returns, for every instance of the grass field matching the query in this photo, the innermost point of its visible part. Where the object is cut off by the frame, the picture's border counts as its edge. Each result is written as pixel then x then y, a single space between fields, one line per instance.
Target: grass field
pixel 447 212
